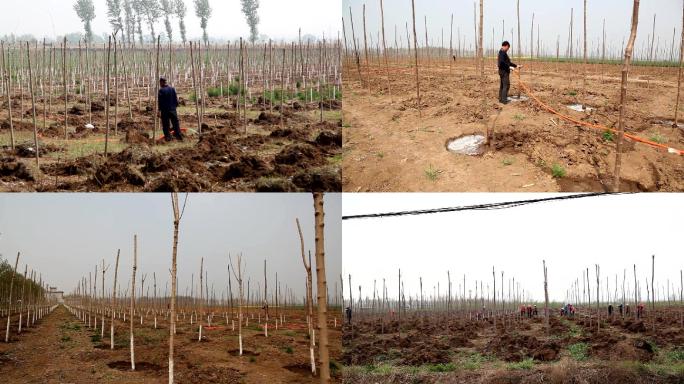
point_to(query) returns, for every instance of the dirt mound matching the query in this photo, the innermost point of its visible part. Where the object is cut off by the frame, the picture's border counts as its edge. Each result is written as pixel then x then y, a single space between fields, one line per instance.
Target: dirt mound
pixel 136 136
pixel 80 166
pixel 517 347
pixel 289 133
pixel 618 348
pixel 275 185
pixel 426 354
pixel 266 118
pixel 117 173
pixel 329 138
pixel 634 326
pixel 248 166
pixel 97 106
pixel 299 154
pixel 128 125
pixel 12 170
pixel 180 180
pixel 318 180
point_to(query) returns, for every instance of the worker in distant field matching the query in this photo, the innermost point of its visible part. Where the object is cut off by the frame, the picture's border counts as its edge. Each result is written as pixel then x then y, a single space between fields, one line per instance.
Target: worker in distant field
pixel 610 310
pixel 640 310
pixel 168 103
pixel 620 308
pixel 348 314
pixel 505 66
pixel 535 311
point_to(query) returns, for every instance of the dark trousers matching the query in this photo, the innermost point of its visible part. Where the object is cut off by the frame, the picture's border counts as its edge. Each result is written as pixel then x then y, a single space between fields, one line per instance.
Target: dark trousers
pixel 504 86
pixel 168 118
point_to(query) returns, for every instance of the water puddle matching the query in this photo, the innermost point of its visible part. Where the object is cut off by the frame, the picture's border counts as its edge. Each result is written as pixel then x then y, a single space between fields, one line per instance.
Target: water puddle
pixel 470 145
pixel 580 108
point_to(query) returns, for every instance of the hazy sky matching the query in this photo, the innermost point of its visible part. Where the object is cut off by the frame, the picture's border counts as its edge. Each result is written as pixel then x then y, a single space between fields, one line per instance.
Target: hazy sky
pixel 279 19
pixel 613 231
pixel 552 16
pixel 63 236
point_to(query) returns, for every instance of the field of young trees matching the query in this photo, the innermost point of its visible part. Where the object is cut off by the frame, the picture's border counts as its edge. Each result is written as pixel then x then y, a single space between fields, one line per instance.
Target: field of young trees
pixel 586 113
pixel 257 115
pixel 146 326
pixel 462 330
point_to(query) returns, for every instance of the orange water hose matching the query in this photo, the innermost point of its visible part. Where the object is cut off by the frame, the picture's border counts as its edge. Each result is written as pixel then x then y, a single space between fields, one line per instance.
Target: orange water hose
pixel 651 143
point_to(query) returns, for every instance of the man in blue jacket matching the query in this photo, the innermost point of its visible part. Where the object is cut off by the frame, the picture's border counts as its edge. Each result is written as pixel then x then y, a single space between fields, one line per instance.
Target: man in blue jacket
pixel 168 103
pixel 505 65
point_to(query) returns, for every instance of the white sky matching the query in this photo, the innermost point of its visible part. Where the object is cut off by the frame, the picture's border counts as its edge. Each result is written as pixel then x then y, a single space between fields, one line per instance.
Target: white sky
pixel 613 231
pixel 63 236
pixel 553 17
pixel 279 19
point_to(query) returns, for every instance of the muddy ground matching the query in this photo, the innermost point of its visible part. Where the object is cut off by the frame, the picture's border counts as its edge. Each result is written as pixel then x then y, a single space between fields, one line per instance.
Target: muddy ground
pixel 388 147
pixel 62 349
pixel 440 348
pixel 302 154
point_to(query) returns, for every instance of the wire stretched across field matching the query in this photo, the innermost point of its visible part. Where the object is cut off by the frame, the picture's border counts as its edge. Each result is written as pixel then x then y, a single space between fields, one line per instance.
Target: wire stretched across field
pixel 478 207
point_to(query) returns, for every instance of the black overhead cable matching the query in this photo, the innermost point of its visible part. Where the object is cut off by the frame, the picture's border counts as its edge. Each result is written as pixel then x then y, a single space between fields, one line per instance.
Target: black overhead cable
pixel 478 207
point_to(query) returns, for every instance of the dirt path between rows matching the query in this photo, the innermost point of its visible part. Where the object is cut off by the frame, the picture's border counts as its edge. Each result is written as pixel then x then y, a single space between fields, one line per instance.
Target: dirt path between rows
pixel 53 352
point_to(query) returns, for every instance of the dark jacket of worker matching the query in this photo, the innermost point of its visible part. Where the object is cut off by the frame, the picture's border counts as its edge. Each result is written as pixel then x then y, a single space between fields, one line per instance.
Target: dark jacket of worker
pixel 505 63
pixel 168 100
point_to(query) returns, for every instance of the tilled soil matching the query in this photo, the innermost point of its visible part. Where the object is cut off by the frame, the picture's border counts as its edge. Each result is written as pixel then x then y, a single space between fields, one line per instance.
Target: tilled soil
pixel 299 155
pixel 389 147
pixel 441 339
pixel 61 349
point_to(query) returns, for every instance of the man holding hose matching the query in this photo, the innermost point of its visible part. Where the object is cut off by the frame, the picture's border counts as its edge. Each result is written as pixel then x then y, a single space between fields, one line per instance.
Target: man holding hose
pixel 505 66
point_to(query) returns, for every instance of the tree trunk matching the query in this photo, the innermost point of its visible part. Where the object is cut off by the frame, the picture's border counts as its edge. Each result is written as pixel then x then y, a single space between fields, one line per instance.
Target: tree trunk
pixel 177 215
pixel 107 96
pixel 546 299
pixel 415 50
pixel 309 298
pixel 9 300
pixel 132 314
pixel 679 72
pixel 623 94
pixel 113 306
pixel 33 105
pixel 322 289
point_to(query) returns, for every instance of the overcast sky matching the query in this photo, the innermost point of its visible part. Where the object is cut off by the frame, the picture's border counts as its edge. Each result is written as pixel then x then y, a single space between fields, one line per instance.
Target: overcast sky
pixel 279 19
pixel 613 231
pixel 552 16
pixel 63 236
